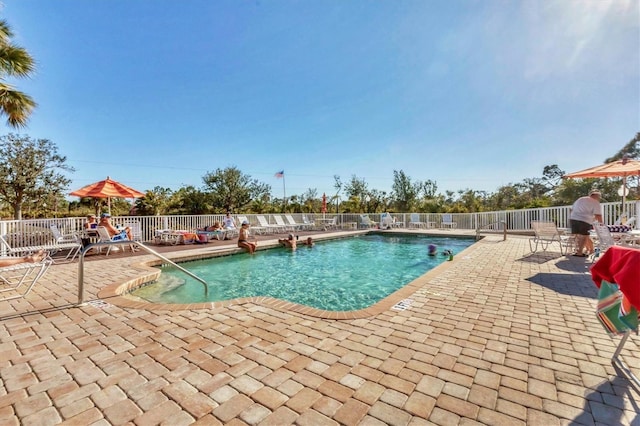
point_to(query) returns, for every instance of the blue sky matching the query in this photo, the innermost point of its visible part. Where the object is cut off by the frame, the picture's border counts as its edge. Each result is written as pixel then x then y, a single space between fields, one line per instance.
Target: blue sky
pixel 469 94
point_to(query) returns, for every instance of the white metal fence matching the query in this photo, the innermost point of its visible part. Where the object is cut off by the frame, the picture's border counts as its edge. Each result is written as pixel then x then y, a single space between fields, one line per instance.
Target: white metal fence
pixel 36 231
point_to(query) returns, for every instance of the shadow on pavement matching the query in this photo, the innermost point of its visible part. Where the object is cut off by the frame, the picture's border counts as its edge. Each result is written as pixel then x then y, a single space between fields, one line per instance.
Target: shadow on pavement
pixel 571 284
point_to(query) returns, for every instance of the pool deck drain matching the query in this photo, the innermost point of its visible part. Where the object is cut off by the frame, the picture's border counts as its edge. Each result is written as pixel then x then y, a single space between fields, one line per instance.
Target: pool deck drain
pixel 402 305
pixel 498 336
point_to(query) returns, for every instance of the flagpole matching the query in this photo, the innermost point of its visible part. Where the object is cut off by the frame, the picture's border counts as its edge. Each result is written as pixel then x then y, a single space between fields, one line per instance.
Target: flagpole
pixel 284 192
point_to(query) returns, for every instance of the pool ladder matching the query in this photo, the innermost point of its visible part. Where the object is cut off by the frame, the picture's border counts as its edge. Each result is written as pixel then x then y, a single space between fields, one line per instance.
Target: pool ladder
pixel 135 244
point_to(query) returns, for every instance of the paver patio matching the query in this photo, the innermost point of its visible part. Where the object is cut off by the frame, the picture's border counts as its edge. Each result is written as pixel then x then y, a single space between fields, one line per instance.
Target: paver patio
pixel 498 336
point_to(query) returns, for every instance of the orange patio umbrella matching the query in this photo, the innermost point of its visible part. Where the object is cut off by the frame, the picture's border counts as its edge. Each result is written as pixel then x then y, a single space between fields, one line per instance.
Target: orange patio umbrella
pixel 324 203
pixel 106 189
pixel 621 168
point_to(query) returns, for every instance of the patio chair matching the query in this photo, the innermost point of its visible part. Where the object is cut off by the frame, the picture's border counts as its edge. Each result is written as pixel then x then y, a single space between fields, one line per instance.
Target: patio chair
pixel 297 226
pixel 414 221
pixel 17 281
pixel 605 239
pixel 330 224
pixel 136 230
pixel 104 237
pixel 547 233
pixel 72 240
pixel 280 222
pixel 447 221
pixel 366 222
pixel 267 227
pixel 261 230
pixel 72 248
pixel 308 223
pixel 386 221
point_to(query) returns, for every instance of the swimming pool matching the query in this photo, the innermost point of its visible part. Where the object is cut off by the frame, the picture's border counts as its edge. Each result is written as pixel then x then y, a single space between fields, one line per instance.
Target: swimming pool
pixel 335 275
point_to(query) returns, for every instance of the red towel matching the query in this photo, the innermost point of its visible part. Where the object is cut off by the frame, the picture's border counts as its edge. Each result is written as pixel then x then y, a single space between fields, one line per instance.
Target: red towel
pixel 620 265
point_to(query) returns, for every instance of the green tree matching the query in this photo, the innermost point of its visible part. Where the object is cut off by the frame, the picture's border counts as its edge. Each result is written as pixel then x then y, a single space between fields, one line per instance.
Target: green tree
pixel 29 171
pixel 631 150
pixel 189 200
pixel 404 192
pixel 230 189
pixel 357 190
pixel 15 61
pixel 154 202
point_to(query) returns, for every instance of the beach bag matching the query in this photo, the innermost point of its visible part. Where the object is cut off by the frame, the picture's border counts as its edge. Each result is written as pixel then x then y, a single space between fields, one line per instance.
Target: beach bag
pixel 614 311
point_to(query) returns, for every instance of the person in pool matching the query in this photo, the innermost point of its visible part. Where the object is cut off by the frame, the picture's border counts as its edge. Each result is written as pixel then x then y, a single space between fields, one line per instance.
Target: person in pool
pixel 432 250
pixel 243 238
pixel 289 242
pixel 308 242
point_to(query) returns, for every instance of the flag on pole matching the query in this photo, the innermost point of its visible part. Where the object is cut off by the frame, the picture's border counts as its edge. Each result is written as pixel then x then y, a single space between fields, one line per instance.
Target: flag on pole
pixel 279 174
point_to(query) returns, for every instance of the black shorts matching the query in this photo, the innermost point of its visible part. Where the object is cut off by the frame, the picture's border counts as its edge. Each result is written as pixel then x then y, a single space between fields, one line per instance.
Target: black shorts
pixel 579 227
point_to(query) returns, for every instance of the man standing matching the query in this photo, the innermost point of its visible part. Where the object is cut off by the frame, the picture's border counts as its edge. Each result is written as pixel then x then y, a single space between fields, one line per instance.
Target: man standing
pixel 584 212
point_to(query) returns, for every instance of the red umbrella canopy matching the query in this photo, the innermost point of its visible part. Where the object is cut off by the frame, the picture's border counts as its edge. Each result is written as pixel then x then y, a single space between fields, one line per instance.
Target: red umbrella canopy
pixel 106 189
pixel 621 168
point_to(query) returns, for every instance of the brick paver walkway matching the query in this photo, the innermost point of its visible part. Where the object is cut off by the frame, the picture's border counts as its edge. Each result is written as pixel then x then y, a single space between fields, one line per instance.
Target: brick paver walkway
pixel 498 336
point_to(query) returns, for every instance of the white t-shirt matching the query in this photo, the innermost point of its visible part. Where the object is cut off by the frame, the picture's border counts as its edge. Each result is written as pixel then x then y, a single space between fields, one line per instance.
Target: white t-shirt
pixel 229 222
pixel 584 209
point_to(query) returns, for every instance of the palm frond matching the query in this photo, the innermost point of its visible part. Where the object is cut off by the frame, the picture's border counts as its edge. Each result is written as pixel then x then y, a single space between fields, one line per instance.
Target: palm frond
pixel 16 61
pixel 16 105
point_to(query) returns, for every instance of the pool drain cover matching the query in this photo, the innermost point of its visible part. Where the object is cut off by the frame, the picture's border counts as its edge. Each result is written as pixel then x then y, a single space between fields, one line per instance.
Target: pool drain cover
pixel 101 304
pixel 402 305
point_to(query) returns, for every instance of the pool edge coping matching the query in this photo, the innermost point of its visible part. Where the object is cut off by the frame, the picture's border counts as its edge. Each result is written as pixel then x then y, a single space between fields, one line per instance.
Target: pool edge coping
pixel 115 293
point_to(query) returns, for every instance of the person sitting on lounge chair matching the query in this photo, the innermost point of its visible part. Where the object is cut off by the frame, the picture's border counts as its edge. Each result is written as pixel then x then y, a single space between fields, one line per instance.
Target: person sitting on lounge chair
pixel 289 242
pixel 32 258
pixel 228 222
pixel 212 228
pixel 105 220
pixel 243 238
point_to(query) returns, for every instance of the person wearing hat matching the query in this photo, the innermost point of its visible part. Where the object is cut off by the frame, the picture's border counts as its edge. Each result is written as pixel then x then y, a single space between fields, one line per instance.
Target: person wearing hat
pixel 243 238
pixel 105 220
pixel 289 242
pixel 584 212
pixel 90 229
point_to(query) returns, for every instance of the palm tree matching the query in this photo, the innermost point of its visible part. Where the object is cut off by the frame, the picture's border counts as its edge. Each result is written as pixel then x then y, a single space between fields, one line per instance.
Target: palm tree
pixel 15 61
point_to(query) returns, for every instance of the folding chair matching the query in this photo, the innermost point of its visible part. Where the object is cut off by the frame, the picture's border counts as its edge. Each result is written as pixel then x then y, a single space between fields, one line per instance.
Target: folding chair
pixel 547 233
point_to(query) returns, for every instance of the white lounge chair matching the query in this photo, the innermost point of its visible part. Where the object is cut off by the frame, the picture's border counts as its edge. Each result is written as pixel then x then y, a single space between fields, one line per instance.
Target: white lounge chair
pixel 414 221
pixel 257 229
pixel 385 221
pixel 297 226
pixel 366 222
pixel 309 223
pixel 17 281
pixel 280 222
pixel 72 248
pixel 269 228
pixel 447 221
pixel 329 224
pixel 104 237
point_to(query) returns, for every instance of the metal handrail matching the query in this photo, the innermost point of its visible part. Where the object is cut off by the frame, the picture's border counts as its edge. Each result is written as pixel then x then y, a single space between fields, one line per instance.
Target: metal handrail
pixel 127 242
pixel 484 227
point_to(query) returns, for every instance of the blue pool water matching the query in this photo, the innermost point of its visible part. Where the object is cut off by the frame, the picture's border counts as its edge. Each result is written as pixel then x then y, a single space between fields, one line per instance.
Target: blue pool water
pixel 335 275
